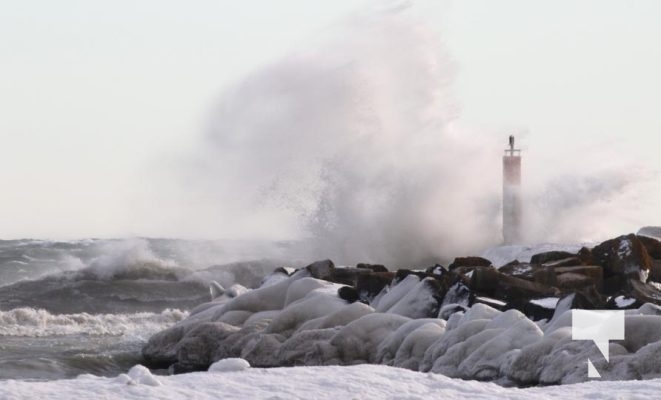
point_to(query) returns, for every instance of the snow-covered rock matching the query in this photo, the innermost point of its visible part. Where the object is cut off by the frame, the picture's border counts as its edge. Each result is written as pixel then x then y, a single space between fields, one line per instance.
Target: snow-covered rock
pixel 229 365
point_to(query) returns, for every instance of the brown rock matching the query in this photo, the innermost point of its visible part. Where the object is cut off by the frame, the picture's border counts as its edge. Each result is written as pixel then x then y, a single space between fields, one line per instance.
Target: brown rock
pixel 321 269
pixel 645 293
pixel 469 262
pixel 573 280
pixel 652 246
pixel 624 256
pixel 549 256
pixel 373 267
pixel 565 262
pixel 484 280
pixel 593 273
pixel 347 276
pixel 370 285
pixel 655 271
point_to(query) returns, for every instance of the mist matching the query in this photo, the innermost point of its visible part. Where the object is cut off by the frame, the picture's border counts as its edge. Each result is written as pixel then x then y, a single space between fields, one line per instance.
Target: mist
pixel 352 147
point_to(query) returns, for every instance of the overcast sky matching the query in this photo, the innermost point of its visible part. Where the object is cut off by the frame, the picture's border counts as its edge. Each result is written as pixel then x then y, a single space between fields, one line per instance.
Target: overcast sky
pixel 94 95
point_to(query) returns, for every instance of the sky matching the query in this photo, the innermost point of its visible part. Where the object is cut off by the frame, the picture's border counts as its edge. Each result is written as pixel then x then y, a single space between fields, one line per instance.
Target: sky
pixel 98 99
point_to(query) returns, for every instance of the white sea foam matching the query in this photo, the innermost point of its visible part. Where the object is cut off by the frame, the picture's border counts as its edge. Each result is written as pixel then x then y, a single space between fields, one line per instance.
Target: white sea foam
pixel 30 322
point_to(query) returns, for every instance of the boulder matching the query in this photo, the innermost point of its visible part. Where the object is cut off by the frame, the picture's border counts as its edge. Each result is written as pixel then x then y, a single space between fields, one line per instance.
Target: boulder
pixel 348 276
pixel 401 274
pixel 624 256
pixel 195 349
pixel 550 256
pixel 518 291
pixel 348 294
pixel 645 293
pixel 321 269
pixel 655 271
pixel 564 262
pixel 484 280
pixel 530 272
pixel 579 299
pixel 161 349
pixel 585 255
pixel 372 267
pixel 368 286
pixel 573 280
pixel 589 275
pixel 653 246
pixel 469 262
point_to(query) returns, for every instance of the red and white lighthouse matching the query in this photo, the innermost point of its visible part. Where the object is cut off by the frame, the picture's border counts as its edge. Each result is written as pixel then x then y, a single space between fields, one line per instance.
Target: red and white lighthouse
pixel 512 194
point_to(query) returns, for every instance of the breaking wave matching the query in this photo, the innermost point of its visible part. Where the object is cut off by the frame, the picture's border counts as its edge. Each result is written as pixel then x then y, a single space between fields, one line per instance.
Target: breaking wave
pixel 30 322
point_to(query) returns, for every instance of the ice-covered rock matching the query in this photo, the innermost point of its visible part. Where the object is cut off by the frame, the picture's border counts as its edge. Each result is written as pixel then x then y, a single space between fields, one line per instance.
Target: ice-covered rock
pixel 229 365
pixel 140 375
pixel 358 341
pixel 309 347
pixel 314 305
pixel 396 292
pixel 420 302
pixel 412 350
pixel 388 348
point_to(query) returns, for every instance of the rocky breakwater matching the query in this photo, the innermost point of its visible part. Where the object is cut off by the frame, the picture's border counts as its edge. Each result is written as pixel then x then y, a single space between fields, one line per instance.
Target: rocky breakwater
pixel 469 320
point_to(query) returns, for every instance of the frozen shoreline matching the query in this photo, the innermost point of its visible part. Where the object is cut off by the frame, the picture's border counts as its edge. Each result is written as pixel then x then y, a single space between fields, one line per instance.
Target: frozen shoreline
pixel 332 382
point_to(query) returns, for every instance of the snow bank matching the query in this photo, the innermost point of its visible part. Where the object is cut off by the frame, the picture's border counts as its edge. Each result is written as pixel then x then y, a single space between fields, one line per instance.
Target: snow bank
pixel 359 381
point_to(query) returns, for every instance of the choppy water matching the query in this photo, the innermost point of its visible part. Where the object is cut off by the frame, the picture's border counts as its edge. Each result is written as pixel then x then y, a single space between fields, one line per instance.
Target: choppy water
pixel 88 306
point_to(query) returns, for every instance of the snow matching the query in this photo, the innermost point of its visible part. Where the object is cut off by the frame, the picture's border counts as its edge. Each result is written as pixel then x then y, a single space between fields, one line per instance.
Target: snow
pixel 546 302
pixel 332 382
pixel 623 301
pixel 490 301
pixel 625 248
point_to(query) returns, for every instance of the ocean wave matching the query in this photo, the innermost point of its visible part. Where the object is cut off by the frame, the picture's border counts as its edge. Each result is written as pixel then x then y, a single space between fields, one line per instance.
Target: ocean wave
pixel 31 322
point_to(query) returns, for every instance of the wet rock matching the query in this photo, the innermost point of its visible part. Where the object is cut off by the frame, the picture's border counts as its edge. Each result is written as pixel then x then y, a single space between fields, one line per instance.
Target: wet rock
pixel 585 255
pixel 565 262
pixel 550 256
pixel 655 271
pixel 623 256
pixel 348 276
pixel 161 349
pixel 348 293
pixel 195 349
pixel 653 246
pixel 587 300
pixel 484 280
pixel 469 262
pixel 576 277
pixel 372 267
pixel 645 293
pixel 368 286
pixel 401 274
pixel 321 269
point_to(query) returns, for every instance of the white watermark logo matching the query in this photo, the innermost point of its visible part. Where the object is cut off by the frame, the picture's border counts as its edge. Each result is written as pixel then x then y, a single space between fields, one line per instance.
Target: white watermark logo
pixel 599 326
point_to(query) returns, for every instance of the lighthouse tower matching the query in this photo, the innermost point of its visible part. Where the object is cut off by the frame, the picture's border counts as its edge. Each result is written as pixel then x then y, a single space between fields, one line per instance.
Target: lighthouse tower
pixel 512 194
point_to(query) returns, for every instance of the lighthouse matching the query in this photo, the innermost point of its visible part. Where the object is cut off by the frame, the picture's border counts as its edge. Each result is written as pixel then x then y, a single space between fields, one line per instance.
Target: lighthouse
pixel 512 194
